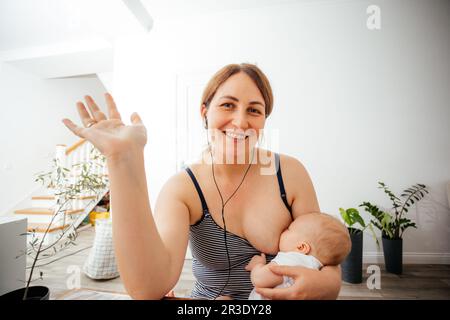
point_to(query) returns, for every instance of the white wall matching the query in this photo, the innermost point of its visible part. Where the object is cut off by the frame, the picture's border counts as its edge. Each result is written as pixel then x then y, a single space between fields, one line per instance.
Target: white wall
pixel 355 106
pixel 31 111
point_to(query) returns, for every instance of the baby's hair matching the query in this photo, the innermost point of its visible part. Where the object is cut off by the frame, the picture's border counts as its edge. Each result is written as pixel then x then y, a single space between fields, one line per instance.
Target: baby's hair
pixel 332 240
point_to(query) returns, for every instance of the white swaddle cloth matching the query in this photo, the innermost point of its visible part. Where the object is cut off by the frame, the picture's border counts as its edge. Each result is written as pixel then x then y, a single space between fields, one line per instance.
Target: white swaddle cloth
pixel 290 259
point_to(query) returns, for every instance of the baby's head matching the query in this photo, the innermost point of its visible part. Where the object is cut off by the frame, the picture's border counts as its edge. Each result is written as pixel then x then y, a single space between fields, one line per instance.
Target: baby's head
pixel 319 235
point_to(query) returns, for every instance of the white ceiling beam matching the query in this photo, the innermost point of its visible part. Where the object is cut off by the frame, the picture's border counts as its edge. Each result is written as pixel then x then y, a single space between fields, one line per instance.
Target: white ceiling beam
pixel 140 13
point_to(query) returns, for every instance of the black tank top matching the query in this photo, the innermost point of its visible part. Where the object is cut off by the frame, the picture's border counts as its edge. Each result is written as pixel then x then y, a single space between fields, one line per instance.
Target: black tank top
pixel 209 257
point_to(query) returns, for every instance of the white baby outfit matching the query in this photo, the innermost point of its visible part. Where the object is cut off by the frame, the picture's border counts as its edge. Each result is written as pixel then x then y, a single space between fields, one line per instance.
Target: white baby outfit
pixel 290 259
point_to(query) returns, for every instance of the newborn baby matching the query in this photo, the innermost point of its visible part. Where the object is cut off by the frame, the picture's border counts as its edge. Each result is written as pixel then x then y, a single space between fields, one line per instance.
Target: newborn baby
pixel 312 240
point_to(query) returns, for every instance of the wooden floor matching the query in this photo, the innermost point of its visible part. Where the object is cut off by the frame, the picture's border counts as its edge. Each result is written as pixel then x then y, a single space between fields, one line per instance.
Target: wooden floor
pixel 417 281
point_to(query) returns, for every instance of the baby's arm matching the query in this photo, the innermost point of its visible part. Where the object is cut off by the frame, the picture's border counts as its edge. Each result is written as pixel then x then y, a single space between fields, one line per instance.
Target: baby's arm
pixel 261 275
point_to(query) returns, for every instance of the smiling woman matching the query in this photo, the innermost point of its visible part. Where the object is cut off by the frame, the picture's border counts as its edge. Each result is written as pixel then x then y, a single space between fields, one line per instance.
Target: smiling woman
pixel 235 104
pixel 191 204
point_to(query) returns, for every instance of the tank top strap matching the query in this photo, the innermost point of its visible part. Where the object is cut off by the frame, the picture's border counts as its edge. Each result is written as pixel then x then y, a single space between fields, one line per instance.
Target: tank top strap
pixel 199 190
pixel 281 184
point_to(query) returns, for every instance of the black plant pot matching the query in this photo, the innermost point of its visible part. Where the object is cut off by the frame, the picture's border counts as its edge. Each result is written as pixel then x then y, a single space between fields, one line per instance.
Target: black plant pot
pixel 352 265
pixel 34 293
pixel 393 254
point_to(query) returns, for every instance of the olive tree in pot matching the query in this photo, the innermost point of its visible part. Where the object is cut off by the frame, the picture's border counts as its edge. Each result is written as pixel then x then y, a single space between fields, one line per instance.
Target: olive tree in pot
pixel 352 265
pixel 393 224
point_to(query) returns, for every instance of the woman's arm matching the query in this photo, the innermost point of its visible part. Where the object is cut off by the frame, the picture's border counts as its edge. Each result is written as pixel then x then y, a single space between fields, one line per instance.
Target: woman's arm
pixel 149 258
pixel 309 283
pixel 332 280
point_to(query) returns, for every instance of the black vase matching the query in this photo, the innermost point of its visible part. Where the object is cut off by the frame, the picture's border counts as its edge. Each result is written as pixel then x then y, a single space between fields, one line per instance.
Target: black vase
pixel 352 265
pixel 34 293
pixel 393 254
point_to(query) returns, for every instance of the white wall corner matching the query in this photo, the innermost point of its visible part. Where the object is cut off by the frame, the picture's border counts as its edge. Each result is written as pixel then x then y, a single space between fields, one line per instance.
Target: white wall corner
pixel 106 78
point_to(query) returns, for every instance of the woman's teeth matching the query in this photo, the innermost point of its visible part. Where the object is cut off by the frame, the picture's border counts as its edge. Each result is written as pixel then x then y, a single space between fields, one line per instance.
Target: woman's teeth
pixel 234 135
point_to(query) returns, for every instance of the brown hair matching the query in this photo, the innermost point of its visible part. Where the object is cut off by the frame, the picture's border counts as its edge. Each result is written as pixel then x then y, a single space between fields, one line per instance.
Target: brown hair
pixel 332 241
pixel 252 71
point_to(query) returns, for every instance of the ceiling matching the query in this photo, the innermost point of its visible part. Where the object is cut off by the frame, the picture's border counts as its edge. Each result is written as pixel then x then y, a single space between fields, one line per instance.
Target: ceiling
pixel 55 38
pixel 175 9
pixel 25 23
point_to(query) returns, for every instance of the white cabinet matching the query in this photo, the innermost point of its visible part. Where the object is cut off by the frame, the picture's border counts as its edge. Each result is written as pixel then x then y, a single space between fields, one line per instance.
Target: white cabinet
pixel 12 246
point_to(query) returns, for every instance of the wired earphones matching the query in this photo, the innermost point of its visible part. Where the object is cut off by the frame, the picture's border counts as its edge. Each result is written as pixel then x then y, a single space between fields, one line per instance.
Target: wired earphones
pixel 224 204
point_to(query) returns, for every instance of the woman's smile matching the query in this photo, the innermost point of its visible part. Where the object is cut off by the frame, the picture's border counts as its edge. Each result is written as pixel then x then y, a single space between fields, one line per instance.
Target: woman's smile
pixel 235 135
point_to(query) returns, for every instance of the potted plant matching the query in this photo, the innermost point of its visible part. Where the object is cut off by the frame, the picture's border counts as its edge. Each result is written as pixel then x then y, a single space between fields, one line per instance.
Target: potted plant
pixel 352 265
pixel 393 224
pixel 67 190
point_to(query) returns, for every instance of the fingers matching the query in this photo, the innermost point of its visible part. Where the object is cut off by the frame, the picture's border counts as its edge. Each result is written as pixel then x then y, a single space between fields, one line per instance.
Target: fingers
pixel 285 270
pixel 135 118
pixel 74 128
pixel 97 114
pixel 85 117
pixel 113 113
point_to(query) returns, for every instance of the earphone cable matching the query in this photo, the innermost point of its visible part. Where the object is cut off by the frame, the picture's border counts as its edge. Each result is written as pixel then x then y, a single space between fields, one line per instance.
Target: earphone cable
pixel 223 211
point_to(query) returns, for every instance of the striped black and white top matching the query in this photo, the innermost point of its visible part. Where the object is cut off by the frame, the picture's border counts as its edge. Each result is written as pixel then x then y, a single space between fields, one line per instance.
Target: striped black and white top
pixel 210 263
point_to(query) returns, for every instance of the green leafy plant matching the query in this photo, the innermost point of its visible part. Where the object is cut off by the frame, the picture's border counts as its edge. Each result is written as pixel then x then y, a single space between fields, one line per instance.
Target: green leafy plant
pixel 352 217
pixel 393 225
pixel 66 189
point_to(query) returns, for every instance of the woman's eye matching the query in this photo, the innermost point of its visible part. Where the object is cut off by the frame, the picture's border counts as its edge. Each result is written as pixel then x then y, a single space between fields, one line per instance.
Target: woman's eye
pixel 253 110
pixel 227 105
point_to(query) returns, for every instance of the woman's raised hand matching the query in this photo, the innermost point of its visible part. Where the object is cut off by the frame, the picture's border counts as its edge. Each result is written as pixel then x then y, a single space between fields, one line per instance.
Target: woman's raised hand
pixel 108 134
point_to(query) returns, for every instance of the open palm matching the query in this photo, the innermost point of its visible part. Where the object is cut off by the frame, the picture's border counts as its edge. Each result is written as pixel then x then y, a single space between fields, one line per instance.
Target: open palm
pixel 110 135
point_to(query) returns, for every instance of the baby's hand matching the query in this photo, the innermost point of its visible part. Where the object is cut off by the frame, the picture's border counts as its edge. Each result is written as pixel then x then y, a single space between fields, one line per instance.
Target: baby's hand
pixel 255 261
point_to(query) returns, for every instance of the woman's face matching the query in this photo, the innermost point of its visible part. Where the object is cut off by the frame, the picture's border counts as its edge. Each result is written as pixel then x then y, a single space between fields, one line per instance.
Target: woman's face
pixel 235 117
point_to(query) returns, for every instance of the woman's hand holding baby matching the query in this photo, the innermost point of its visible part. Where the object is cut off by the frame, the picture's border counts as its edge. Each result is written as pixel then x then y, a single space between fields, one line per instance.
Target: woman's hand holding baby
pixel 309 284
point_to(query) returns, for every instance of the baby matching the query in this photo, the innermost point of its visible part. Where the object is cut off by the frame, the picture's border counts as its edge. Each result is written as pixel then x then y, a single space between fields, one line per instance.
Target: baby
pixel 312 240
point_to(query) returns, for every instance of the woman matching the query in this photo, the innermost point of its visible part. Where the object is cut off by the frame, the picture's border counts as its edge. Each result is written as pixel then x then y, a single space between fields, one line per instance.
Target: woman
pixel 199 203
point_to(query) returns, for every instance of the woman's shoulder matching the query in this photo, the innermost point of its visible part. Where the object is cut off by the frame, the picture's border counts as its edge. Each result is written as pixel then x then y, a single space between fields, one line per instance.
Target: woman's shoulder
pixel 179 185
pixel 288 159
pixel 289 164
pixel 298 185
pixel 294 172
